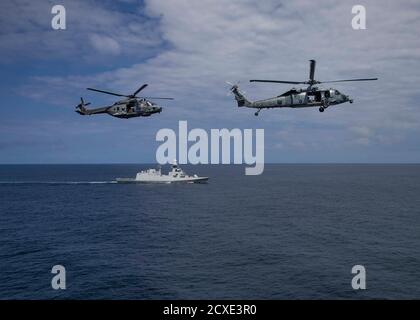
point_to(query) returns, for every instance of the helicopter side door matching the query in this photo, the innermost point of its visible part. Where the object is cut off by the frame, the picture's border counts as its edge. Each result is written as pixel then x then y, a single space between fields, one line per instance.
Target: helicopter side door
pixel 131 106
pixel 318 96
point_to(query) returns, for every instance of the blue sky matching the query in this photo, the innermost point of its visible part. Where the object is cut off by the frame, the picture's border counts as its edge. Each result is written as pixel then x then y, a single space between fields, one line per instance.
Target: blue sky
pixel 187 49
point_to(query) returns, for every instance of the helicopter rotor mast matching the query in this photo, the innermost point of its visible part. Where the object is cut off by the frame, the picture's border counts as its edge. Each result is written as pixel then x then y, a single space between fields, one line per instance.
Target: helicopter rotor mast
pixel 312 64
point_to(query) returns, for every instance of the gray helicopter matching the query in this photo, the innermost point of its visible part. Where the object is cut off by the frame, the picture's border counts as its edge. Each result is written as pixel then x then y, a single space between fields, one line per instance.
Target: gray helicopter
pixel 130 107
pixel 310 96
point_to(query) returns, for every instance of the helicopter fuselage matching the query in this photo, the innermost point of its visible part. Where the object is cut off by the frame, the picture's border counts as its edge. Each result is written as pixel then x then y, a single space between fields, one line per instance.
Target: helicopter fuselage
pixel 295 98
pixel 127 108
pixel 131 108
pixel 310 96
pixel 299 98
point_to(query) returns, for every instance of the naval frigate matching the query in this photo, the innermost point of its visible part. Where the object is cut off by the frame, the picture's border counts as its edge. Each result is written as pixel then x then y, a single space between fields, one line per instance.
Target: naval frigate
pixel 176 175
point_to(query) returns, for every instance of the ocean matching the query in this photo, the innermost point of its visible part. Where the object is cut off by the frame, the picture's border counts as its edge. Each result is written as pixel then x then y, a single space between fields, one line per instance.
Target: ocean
pixel 294 232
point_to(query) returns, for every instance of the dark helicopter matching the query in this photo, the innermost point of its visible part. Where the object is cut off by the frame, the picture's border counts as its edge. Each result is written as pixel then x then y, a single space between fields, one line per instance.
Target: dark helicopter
pixel 310 96
pixel 130 107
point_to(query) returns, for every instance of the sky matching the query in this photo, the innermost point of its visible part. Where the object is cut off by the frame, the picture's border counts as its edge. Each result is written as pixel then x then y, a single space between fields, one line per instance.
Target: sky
pixel 187 50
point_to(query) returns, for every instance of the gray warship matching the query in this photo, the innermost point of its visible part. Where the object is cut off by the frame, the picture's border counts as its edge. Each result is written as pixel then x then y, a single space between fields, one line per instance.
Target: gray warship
pixel 176 175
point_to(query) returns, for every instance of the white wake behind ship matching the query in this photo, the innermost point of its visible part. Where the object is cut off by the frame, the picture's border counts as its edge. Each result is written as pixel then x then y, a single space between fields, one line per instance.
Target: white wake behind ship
pixel 176 175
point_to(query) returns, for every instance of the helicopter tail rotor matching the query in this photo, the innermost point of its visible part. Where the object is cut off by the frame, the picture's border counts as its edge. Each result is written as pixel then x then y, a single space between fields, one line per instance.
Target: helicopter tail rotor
pixel 239 95
pixel 80 108
pixel 234 86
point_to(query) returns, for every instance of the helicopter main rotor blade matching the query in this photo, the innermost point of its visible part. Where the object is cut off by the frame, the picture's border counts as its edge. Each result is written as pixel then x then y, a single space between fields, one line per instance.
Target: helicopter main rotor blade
pixel 156 98
pixel 107 92
pixel 139 89
pixel 278 81
pixel 312 69
pixel 366 79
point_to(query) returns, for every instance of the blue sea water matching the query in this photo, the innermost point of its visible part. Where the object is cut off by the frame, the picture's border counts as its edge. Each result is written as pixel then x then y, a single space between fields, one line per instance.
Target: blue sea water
pixel 294 232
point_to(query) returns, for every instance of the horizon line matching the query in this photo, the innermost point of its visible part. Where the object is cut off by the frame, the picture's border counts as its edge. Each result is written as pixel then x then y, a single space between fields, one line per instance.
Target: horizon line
pixel 225 164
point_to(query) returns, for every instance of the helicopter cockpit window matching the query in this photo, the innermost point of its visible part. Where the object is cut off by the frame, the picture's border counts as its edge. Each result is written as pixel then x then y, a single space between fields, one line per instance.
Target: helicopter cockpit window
pixel 337 92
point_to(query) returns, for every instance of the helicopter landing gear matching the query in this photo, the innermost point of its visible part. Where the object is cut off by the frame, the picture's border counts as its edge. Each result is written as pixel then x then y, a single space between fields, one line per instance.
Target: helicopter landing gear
pixel 256 113
pixel 325 105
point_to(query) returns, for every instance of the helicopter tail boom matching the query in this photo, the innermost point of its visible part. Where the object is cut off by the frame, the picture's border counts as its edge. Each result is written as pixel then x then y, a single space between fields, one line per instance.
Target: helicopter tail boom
pixel 87 112
pixel 82 110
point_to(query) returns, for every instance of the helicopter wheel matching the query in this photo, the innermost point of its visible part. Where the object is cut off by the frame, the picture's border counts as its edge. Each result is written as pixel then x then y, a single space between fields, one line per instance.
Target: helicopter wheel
pixel 321 109
pixel 256 114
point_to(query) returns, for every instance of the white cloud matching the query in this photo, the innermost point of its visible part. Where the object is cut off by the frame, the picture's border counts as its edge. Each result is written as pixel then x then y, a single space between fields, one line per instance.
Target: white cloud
pixel 362 131
pixel 105 44
pixel 211 41
pixel 25 31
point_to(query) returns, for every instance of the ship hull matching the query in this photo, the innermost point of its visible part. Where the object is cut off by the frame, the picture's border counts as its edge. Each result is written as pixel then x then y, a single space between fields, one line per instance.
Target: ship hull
pixel 163 180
